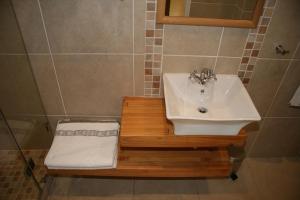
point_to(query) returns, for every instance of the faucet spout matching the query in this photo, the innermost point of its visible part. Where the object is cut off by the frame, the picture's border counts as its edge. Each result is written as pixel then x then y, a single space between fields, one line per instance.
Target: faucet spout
pixel 203 77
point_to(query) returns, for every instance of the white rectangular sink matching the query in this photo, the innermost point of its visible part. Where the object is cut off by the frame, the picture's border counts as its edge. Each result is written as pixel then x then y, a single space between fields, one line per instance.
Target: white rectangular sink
pixel 227 103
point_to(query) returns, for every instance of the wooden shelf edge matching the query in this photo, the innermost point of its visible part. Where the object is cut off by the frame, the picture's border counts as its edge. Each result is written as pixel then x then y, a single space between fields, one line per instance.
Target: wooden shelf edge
pixel 182 141
pixel 135 163
pixel 221 171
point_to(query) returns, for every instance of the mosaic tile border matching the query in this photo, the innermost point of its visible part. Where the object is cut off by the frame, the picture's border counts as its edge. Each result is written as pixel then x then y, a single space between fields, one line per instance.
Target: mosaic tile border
pixel 254 43
pixel 154 47
pixel 153 51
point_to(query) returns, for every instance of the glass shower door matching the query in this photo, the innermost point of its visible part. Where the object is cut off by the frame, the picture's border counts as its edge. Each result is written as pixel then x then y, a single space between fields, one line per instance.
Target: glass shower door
pixel 16 178
pixel 24 134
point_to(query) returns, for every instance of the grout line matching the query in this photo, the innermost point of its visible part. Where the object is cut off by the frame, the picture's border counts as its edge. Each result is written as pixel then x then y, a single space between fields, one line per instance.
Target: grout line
pixel 142 54
pixel 282 117
pixel 51 56
pixel 219 47
pixel 13 54
pixel 38 54
pixel 201 56
pixel 133 49
pixel 95 53
pixel 261 58
pixel 85 53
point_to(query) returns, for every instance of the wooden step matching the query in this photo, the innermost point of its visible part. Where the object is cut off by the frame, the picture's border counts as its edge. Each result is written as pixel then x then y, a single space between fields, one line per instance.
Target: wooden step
pixel 144 124
pixel 162 163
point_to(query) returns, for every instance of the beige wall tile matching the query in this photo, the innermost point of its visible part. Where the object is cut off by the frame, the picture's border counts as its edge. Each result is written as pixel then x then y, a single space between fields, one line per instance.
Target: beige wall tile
pixel 265 81
pixel 278 137
pixel 96 26
pixel 139 75
pixel 284 29
pixel 233 42
pixel 46 81
pixel 53 121
pixel 37 138
pixel 19 93
pixel 30 21
pixel 94 84
pixel 6 140
pixel 30 132
pixel 191 40
pixel 227 65
pixel 184 64
pixel 280 107
pixel 10 36
pixel 139 25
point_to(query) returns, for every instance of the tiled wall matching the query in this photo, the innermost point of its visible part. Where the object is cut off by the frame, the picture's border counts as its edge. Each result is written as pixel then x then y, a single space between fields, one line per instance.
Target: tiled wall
pixel 274 80
pixel 87 54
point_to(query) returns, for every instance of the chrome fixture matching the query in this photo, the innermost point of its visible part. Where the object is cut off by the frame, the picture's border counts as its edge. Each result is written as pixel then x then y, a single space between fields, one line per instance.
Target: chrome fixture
pixel 280 50
pixel 203 77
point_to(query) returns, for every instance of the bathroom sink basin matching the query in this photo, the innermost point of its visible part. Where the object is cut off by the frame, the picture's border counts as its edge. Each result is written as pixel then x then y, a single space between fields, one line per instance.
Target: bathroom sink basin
pixel 220 107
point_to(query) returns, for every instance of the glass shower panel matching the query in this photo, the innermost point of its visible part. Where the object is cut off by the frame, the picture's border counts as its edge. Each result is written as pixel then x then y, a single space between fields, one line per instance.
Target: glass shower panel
pixel 20 99
pixel 15 179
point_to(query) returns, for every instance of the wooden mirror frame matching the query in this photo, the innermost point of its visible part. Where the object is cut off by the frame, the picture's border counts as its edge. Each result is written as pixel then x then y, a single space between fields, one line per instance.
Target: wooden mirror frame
pixel 161 18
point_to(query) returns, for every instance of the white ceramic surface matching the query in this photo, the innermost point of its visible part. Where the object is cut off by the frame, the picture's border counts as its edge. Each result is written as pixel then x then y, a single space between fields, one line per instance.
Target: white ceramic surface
pixel 229 107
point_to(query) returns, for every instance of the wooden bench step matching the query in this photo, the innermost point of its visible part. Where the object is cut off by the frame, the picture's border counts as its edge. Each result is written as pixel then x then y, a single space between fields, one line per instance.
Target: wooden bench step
pixel 168 163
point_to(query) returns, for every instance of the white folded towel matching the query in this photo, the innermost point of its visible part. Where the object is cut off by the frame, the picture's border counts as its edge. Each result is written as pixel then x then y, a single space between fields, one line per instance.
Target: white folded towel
pixel 295 101
pixel 83 150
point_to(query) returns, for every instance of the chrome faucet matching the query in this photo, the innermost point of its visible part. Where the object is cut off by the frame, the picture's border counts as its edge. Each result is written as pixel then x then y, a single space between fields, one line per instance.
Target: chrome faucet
pixel 203 77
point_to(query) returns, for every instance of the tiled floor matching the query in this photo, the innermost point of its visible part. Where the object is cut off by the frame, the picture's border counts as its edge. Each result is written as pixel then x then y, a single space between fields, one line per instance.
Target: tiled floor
pixel 259 179
pixel 13 183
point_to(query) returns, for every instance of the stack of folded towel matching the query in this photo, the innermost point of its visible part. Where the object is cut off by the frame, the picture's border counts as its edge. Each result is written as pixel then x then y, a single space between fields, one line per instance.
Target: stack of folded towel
pixel 85 145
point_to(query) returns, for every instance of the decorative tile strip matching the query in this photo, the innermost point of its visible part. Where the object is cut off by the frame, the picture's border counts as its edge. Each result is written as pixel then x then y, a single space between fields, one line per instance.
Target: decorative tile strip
pixel 153 51
pixel 254 43
pixel 97 133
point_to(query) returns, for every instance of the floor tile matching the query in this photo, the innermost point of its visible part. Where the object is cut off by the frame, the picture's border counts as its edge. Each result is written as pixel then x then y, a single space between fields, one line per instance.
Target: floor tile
pixel 166 189
pixel 242 188
pixel 95 188
pixel 277 179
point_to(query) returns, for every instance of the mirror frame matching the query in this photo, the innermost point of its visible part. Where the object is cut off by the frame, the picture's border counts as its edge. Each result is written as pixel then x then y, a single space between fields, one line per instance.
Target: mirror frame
pixel 161 18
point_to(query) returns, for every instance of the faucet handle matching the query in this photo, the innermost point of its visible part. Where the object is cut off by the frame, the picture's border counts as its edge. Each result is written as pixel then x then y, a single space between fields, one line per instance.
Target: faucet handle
pixel 192 74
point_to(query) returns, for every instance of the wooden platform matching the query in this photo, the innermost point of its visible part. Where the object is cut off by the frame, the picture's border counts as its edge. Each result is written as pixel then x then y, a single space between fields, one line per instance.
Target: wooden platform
pixel 149 148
